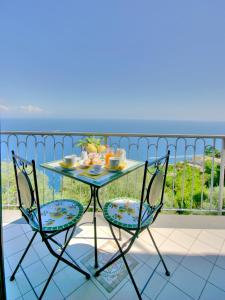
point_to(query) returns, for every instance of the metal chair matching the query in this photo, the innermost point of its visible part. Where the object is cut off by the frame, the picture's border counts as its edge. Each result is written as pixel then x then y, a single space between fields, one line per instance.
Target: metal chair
pixel 48 219
pixel 134 216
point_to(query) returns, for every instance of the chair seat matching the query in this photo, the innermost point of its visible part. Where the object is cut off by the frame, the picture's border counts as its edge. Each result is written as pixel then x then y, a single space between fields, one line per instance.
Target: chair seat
pixel 124 212
pixel 58 215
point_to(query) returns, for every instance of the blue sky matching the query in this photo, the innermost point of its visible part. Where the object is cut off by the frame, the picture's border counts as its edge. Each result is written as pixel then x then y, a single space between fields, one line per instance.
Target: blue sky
pixel 147 59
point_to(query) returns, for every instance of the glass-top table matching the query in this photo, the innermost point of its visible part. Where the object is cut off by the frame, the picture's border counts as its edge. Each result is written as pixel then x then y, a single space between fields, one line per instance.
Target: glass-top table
pixel 95 183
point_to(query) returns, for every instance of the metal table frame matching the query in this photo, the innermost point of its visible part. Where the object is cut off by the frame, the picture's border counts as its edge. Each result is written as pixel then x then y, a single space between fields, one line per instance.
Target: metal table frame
pixel 95 185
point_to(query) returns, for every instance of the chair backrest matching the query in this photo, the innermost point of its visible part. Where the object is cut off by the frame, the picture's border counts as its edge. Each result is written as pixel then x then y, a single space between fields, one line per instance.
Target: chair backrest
pixel 153 187
pixel 27 188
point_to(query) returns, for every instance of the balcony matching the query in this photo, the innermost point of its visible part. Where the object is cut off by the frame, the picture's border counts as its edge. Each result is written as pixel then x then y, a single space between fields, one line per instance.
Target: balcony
pixel 190 232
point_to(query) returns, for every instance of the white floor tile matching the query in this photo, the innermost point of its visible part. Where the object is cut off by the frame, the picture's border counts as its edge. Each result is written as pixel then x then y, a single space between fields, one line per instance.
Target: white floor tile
pixel 155 286
pixel 211 239
pixel 221 261
pixel 164 231
pixel 37 238
pixel 29 296
pixel 193 232
pixel 12 290
pixel 9 225
pixel 78 248
pixel 7 268
pixel 36 273
pixel 15 245
pixel 202 249
pixel 141 276
pixel 198 265
pixel 49 262
pixel 68 280
pixel 26 228
pixel 159 238
pixel 171 266
pixel 217 277
pixel 12 232
pixel 181 238
pixel 172 292
pixel 143 251
pixel 29 259
pixel 188 282
pixel 218 232
pixel 127 292
pixel 41 249
pixel 210 292
pixel 22 282
pixel 52 292
pixel 173 250
pixel 87 291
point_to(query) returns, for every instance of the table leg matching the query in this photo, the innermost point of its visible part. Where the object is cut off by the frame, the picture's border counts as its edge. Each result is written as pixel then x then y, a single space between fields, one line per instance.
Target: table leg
pixel 95 190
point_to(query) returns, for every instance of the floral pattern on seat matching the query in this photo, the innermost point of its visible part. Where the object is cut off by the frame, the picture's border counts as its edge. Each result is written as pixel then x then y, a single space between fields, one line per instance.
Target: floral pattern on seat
pixel 58 215
pixel 124 212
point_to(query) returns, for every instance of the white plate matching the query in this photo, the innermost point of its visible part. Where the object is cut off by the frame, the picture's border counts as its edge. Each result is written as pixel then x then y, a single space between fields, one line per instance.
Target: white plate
pixel 64 166
pixel 67 169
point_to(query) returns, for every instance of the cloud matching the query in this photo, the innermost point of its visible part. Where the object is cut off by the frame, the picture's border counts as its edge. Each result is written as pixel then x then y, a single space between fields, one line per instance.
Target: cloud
pixel 3 108
pixel 31 108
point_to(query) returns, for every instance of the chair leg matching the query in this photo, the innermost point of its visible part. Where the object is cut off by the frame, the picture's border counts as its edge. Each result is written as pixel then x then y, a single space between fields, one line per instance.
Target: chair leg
pixel 120 235
pixel 22 257
pixel 76 267
pixel 122 254
pixel 157 249
pixel 115 257
pixel 126 264
pixel 60 258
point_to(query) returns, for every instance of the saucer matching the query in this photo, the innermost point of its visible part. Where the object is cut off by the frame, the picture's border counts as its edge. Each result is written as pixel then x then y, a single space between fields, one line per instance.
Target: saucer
pixel 93 172
pixel 65 166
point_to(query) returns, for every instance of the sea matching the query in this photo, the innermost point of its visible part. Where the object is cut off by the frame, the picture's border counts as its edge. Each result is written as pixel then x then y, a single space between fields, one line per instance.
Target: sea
pixel 116 125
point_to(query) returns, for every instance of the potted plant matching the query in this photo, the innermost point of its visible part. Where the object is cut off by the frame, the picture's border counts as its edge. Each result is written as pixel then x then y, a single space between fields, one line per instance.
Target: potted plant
pixel 92 144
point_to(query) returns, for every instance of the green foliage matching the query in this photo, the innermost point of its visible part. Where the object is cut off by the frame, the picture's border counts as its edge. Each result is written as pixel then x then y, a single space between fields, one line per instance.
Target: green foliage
pixel 211 151
pixel 129 186
pixel 89 140
pixel 215 197
pixel 9 191
pixel 186 187
pixel 208 170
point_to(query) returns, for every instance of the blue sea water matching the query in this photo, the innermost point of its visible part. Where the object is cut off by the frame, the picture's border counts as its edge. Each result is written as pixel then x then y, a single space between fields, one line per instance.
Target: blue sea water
pixel 109 125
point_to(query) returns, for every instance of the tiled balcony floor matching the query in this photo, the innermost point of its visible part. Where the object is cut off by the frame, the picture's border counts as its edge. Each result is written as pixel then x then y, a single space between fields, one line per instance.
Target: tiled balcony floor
pixel 195 258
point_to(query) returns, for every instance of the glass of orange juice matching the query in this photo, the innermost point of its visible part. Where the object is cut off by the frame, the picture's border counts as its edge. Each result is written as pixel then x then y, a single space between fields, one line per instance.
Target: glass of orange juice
pixel 108 154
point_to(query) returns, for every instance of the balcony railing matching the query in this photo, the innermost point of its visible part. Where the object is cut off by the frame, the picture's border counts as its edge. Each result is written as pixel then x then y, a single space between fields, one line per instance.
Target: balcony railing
pixel 195 179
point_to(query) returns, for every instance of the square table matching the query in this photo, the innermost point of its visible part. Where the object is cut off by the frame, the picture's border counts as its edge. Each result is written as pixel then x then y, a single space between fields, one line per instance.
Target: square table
pixel 95 183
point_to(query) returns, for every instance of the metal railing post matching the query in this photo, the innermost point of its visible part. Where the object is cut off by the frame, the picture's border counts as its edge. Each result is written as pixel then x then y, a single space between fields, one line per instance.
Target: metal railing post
pixel 221 186
pixel 106 140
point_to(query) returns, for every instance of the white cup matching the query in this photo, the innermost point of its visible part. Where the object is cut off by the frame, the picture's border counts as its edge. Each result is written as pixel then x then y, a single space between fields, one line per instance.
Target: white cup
pixel 114 162
pixel 70 160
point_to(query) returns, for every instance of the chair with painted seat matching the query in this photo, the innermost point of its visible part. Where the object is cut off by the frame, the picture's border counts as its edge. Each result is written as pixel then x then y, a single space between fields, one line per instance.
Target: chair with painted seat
pixel 136 215
pixel 48 219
